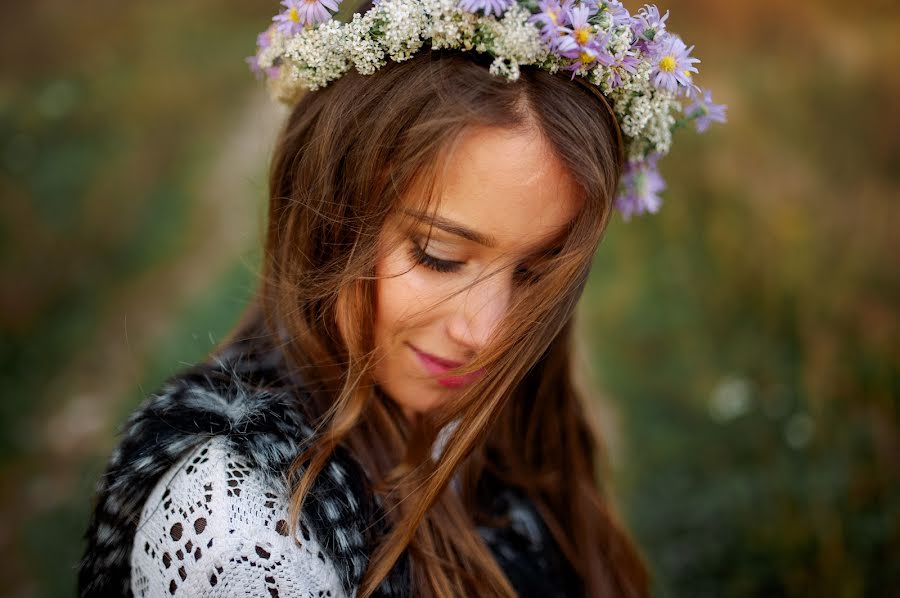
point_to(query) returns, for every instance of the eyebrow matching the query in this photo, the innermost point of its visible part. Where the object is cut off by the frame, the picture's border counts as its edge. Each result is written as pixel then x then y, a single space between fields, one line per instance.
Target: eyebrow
pixel 454 228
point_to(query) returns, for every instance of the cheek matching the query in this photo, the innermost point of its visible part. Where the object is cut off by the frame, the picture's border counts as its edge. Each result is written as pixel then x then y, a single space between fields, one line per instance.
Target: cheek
pixel 401 294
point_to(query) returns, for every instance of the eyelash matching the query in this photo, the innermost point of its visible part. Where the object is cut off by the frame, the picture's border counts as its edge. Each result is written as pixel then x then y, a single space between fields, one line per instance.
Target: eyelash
pixel 419 256
pixel 432 263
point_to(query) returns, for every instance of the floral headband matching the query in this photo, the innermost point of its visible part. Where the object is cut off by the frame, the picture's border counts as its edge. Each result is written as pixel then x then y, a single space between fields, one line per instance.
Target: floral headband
pixel 643 69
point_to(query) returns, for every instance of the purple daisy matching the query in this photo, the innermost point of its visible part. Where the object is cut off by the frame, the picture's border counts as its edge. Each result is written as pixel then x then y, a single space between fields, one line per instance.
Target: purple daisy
pixel 623 64
pixel 647 24
pixel 578 34
pixel 672 63
pixel 550 18
pixel 704 111
pixel 618 12
pixel 498 7
pixel 640 187
pixel 592 5
pixel 579 41
pixel 303 12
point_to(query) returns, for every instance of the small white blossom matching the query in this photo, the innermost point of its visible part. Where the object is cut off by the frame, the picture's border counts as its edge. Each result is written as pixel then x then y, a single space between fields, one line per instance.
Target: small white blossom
pixel 364 50
pixel 620 41
pixel 516 41
pixel 268 56
pixel 659 127
pixel 503 68
pixel 450 27
pixel 404 22
pixel 319 54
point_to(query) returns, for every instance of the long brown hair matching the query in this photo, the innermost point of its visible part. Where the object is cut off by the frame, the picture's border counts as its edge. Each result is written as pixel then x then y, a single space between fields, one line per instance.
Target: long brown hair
pixel 347 156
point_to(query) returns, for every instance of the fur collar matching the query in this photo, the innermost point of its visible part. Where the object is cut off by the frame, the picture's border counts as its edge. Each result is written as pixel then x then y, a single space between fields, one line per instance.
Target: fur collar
pixel 266 426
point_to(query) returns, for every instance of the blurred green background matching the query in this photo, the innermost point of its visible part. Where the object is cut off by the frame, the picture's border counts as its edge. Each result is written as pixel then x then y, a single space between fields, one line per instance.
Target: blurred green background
pixel 745 339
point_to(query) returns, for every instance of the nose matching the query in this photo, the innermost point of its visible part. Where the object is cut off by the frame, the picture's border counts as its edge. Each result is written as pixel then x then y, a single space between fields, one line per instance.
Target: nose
pixel 479 310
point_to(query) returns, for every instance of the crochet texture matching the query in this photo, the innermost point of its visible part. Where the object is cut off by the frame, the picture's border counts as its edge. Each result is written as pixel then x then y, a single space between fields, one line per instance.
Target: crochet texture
pixel 214 526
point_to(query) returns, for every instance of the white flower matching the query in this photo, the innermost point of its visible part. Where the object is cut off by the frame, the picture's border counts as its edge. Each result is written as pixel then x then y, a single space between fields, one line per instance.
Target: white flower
pixel 403 24
pixel 319 54
pixel 515 40
pixel 267 56
pixel 620 41
pixel 658 131
pixel 363 49
pixel 449 27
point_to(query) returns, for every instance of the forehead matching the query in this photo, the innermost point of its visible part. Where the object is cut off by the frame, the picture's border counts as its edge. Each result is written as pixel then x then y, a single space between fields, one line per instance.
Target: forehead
pixel 508 186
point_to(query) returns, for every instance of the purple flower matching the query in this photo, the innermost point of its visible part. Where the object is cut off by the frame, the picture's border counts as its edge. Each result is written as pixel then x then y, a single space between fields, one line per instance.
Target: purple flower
pixel 647 24
pixel 587 56
pixel 639 188
pixel 672 63
pixel 253 63
pixel 551 17
pixel 704 110
pixel 592 5
pixel 619 14
pixel 623 64
pixel 263 40
pixel 498 7
pixel 581 42
pixel 271 72
pixel 303 12
pixel 578 34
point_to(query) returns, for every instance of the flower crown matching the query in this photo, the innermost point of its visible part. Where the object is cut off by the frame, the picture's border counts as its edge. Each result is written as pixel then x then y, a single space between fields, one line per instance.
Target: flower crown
pixel 642 68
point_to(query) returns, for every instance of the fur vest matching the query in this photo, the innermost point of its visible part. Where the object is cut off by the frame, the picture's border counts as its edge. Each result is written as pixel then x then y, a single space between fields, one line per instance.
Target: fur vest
pixel 236 395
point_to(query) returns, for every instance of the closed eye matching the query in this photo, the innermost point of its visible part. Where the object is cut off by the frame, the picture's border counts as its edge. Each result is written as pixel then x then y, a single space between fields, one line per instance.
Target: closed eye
pixel 419 256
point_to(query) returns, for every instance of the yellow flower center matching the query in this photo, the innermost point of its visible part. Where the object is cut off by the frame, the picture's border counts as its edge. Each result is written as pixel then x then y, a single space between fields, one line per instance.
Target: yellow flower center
pixel 294 15
pixel 585 58
pixel 667 64
pixel 553 17
pixel 582 35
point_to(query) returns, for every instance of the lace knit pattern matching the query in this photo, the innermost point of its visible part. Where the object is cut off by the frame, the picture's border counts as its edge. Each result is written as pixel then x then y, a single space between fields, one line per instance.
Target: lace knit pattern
pixel 214 526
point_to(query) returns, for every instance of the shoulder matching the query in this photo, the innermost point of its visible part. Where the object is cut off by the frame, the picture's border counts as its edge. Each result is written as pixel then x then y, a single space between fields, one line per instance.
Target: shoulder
pixel 524 547
pixel 221 406
pixel 216 525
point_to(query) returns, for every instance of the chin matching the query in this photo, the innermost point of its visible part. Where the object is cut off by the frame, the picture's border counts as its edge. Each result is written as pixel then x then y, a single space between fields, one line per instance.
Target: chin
pixel 420 403
pixel 415 400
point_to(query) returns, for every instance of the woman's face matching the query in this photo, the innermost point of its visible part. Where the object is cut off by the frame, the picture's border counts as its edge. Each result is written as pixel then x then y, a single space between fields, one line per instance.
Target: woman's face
pixel 504 199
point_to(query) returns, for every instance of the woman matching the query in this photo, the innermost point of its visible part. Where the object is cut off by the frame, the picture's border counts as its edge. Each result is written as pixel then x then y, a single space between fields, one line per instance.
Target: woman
pixel 395 413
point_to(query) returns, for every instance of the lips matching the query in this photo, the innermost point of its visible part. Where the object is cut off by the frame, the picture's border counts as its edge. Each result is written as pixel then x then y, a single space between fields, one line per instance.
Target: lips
pixel 435 366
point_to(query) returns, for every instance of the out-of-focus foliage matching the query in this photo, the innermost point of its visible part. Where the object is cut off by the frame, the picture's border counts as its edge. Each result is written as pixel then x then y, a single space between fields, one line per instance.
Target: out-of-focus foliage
pixel 116 122
pixel 747 335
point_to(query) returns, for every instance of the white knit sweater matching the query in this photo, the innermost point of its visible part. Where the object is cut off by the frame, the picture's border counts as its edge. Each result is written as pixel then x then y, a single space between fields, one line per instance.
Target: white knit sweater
pixel 213 527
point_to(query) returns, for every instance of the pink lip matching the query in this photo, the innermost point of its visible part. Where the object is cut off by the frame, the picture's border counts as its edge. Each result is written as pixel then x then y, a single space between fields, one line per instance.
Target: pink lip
pixel 436 366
